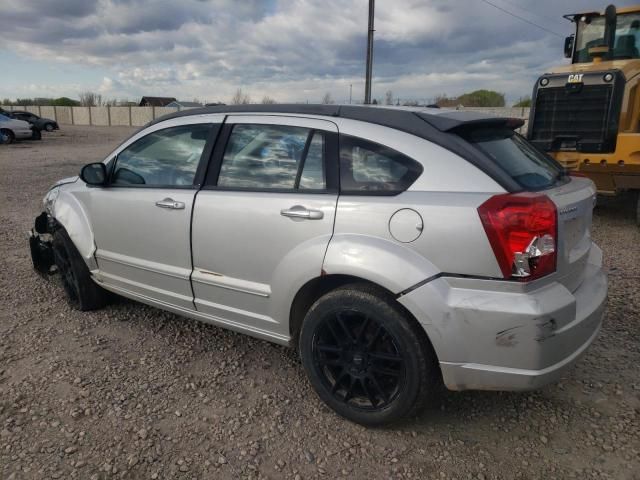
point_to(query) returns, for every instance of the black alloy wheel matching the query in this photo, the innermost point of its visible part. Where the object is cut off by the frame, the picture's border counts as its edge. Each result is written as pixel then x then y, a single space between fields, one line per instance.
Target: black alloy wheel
pixel 358 360
pixel 366 357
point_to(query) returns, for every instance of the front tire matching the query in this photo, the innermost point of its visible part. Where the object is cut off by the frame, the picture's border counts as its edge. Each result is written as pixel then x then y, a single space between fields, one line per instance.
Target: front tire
pixel 366 358
pixel 49 127
pixel 82 292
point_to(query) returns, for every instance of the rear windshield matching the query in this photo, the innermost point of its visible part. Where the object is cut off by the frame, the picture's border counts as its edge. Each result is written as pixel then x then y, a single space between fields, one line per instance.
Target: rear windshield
pixel 531 168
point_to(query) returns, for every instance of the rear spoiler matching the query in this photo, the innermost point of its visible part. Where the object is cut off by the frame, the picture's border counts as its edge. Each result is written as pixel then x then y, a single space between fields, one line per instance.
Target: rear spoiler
pixel 461 119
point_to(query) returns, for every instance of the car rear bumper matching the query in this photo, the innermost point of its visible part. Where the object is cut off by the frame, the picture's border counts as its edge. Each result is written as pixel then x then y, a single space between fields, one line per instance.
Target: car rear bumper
pixel 490 339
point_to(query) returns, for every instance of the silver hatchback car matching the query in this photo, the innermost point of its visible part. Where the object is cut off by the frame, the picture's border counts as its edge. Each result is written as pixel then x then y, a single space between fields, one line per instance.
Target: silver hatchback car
pixel 395 248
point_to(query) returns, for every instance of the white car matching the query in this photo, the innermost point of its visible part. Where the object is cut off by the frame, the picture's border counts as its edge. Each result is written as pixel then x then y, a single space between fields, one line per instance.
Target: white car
pixel 395 248
pixel 11 129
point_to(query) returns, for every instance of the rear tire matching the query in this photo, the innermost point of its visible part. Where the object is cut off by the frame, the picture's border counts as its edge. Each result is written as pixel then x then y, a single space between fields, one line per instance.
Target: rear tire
pixel 6 136
pixel 36 134
pixel 82 292
pixel 366 358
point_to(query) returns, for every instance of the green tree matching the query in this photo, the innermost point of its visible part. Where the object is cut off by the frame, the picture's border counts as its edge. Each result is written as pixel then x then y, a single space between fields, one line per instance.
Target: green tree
pixel 482 98
pixel 65 102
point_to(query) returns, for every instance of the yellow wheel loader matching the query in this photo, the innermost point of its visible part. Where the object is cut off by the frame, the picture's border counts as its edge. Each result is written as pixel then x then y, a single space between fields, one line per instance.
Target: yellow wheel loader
pixel 587 114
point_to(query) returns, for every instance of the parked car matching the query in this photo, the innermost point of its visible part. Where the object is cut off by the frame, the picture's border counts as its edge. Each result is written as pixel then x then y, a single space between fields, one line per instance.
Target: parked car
pixel 11 130
pixel 395 248
pixel 38 122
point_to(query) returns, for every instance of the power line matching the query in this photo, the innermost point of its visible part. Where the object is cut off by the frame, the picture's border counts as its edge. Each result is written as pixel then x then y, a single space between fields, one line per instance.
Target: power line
pixel 522 18
pixel 531 11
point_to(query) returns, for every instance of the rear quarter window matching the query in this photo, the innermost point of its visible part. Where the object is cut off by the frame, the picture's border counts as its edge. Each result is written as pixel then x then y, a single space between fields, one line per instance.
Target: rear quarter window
pixel 528 166
pixel 369 168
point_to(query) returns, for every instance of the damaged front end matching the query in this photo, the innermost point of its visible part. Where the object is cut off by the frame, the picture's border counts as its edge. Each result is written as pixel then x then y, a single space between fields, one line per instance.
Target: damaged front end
pixel 40 244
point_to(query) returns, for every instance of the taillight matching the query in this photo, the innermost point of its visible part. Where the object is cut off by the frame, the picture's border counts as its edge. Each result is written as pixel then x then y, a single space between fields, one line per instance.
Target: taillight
pixel 522 229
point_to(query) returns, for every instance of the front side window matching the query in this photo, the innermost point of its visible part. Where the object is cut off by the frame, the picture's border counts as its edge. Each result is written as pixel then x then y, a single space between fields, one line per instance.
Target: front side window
pixel 168 157
pixel 368 167
pixel 273 157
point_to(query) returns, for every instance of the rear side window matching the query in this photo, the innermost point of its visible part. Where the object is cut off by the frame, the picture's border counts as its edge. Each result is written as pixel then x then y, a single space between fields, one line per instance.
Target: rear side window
pixel 273 157
pixel 370 168
pixel 532 169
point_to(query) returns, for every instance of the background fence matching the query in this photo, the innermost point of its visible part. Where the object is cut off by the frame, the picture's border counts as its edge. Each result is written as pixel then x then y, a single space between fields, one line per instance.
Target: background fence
pixel 139 116
pixel 99 116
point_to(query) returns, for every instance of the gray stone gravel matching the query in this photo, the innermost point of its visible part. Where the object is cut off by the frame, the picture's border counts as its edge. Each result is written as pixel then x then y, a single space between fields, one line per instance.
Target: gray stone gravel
pixel 134 392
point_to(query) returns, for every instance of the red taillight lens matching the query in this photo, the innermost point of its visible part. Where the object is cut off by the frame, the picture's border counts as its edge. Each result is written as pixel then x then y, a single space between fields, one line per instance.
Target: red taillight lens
pixel 522 230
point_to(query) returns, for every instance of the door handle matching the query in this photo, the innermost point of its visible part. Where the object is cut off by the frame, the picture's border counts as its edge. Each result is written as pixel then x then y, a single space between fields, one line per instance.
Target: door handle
pixel 170 203
pixel 298 211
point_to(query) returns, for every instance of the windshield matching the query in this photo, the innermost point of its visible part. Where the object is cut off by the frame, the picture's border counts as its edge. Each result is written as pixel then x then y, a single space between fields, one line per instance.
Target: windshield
pixel 3 118
pixel 532 169
pixel 591 34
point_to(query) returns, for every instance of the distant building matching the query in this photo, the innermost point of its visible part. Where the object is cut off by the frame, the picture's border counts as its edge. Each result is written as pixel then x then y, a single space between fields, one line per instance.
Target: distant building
pixel 156 101
pixel 180 104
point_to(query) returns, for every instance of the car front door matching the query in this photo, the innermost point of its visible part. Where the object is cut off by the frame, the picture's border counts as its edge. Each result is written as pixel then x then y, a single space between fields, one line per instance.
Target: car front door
pixel 264 218
pixel 142 219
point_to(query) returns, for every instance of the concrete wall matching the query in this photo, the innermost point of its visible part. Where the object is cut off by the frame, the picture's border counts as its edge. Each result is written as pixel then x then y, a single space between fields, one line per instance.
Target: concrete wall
pixel 64 115
pixel 120 116
pixel 100 116
pixel 48 112
pixel 160 111
pixel 141 116
pixel 81 115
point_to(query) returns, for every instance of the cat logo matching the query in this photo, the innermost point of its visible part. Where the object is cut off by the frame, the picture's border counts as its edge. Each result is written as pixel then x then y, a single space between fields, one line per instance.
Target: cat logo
pixel 576 78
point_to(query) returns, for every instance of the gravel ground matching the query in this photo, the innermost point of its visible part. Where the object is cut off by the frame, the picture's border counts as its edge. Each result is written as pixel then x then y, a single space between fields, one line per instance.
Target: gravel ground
pixel 134 392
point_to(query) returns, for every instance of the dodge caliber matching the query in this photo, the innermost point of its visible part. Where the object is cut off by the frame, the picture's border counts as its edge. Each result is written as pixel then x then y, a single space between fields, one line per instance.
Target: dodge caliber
pixel 396 249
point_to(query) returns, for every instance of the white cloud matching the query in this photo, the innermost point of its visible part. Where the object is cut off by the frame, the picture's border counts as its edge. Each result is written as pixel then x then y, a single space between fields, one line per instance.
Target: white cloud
pixel 292 50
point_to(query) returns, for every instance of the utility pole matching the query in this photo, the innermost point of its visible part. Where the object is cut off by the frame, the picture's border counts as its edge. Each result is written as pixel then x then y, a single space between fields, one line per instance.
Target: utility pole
pixel 367 83
pixel 350 92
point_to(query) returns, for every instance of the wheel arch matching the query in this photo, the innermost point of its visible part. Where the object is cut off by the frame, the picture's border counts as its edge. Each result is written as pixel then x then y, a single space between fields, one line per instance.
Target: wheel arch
pixel 391 265
pixel 69 213
pixel 311 291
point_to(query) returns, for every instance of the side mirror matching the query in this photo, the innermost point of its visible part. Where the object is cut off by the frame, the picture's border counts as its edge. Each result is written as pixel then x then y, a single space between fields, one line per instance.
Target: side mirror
pixel 94 174
pixel 568 46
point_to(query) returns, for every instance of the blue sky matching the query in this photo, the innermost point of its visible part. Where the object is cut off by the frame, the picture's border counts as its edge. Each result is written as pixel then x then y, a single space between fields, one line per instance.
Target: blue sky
pixel 290 50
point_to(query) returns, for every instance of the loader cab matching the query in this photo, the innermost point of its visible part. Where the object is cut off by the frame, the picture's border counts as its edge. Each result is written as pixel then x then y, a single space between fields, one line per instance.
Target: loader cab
pixel 614 35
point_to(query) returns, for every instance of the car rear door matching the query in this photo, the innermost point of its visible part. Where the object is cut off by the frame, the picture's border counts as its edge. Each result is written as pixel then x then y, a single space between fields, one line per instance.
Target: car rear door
pixel 142 219
pixel 264 218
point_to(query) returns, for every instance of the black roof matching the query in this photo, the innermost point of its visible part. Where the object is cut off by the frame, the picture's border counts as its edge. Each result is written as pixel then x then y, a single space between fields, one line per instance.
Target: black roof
pixel 404 119
pixel 433 124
